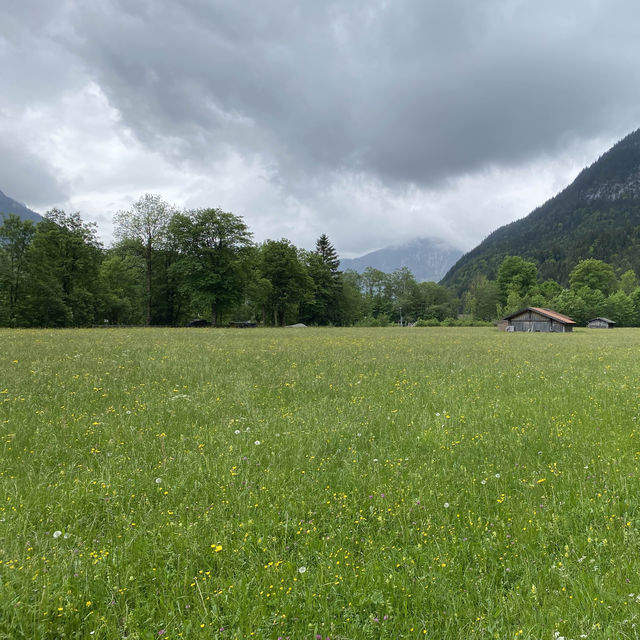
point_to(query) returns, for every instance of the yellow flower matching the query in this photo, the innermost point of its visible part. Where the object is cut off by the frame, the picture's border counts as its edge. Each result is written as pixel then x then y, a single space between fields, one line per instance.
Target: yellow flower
pixel 216 547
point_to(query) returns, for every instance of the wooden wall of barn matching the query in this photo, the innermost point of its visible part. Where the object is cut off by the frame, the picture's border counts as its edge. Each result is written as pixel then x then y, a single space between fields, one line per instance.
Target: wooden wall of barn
pixel 599 324
pixel 531 321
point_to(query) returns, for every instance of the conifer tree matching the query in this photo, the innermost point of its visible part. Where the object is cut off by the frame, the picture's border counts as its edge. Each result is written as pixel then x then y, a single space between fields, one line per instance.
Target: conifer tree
pixel 327 252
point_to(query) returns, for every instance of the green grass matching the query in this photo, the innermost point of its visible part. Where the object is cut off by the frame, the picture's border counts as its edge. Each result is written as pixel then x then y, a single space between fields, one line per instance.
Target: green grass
pixel 364 483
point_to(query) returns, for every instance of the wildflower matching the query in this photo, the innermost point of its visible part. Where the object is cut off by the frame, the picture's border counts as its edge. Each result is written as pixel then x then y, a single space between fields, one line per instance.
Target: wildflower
pixel 158 480
pixel 57 534
pixel 217 547
pixel 497 475
pixel 302 569
pixel 446 505
pixel 257 442
pixel 237 432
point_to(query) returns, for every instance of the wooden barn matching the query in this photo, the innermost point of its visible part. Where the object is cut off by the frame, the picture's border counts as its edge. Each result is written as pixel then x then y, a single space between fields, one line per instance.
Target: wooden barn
pixel 601 323
pixel 538 319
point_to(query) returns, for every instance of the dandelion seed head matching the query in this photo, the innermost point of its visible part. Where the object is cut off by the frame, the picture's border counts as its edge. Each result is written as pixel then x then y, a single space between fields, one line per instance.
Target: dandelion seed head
pixel 57 534
pixel 302 569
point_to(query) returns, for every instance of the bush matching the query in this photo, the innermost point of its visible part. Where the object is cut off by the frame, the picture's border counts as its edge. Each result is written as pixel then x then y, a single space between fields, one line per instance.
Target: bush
pixel 429 322
pixel 369 321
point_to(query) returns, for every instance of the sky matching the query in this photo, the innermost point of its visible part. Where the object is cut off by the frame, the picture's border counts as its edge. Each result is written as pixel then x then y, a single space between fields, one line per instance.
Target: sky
pixel 373 121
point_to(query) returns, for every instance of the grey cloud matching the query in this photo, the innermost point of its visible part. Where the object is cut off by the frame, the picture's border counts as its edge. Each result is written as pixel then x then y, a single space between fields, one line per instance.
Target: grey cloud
pixel 30 177
pixel 409 91
pixel 340 104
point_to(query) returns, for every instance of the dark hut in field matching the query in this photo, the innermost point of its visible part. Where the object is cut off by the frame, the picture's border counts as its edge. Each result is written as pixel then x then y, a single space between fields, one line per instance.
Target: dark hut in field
pixel 538 319
pixel 601 323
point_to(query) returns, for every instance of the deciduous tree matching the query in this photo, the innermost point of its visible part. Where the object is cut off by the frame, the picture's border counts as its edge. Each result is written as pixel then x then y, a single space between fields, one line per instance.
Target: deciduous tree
pixel 210 268
pixel 594 274
pixel 15 237
pixel 145 222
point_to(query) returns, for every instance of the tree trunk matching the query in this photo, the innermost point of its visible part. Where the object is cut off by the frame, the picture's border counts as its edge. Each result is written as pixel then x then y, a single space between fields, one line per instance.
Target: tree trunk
pixel 148 260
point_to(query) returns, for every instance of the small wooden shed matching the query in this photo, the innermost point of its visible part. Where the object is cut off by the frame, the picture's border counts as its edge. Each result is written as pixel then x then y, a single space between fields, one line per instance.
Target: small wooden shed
pixel 538 319
pixel 601 323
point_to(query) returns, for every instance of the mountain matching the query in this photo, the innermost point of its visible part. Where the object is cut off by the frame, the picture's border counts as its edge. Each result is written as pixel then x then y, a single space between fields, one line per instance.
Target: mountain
pixel 427 259
pixel 596 216
pixel 9 205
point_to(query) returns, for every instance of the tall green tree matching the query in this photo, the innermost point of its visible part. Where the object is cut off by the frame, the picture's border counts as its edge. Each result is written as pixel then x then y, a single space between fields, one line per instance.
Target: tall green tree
pixel 210 269
pixel 619 307
pixel 323 268
pixel 15 238
pixel 328 254
pixel 435 302
pixel 146 223
pixel 516 275
pixel 483 298
pixel 122 289
pixel 63 265
pixel 377 299
pixel 349 307
pixel 404 293
pixel 571 304
pixel 629 281
pixel 290 284
pixel 594 274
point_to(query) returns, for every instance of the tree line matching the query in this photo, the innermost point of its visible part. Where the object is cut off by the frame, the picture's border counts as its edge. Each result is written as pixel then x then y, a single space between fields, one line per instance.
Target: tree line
pixel 168 267
pixel 594 290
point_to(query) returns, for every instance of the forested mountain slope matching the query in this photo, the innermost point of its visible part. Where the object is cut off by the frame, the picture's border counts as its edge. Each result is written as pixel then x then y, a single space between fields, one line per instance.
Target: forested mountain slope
pixel 597 216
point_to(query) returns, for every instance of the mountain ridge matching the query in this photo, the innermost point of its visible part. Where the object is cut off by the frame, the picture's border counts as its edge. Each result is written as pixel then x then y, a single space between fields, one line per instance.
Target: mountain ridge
pixel 596 216
pixel 426 258
pixel 9 205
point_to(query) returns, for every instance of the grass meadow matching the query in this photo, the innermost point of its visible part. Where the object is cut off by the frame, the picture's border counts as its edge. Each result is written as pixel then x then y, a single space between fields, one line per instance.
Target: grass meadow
pixel 319 483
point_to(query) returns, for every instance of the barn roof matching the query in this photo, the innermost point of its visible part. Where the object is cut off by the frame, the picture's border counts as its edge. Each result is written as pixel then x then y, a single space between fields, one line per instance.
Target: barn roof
pixel 603 320
pixel 547 313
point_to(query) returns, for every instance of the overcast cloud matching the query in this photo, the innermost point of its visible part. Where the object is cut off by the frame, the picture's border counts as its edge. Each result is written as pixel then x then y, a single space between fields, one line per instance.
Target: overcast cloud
pixel 374 121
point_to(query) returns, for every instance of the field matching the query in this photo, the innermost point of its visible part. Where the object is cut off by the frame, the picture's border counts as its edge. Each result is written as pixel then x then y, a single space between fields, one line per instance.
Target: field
pixel 318 483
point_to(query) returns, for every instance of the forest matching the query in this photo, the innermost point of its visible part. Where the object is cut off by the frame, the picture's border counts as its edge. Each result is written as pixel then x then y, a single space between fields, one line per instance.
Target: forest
pixel 169 267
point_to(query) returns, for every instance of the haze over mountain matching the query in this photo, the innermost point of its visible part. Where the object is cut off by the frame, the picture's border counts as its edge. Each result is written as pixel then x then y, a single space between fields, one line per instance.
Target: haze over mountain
pixel 9 205
pixel 596 216
pixel 427 259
